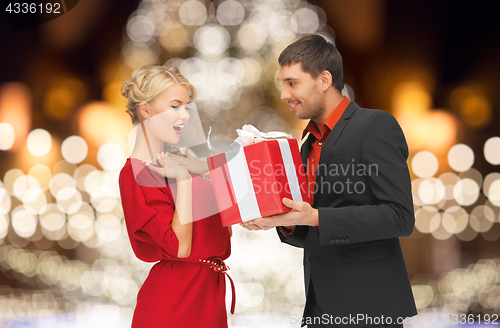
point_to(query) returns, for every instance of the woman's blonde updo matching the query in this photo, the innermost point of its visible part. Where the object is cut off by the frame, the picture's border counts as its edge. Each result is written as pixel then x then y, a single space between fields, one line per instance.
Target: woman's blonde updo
pixel 147 82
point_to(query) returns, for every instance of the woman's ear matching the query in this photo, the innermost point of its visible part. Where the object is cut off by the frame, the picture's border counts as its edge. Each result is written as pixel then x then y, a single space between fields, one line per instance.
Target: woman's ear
pixel 325 80
pixel 144 110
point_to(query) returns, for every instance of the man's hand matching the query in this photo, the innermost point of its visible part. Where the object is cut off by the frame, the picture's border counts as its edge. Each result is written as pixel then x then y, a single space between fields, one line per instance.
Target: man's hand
pixel 301 214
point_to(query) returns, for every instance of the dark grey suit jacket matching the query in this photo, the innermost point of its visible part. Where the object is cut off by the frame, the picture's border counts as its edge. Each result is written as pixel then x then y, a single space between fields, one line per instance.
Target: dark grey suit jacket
pixel 364 201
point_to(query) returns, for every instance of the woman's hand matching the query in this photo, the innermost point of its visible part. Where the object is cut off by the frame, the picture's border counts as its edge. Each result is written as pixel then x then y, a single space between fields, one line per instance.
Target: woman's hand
pixel 169 168
pixel 191 163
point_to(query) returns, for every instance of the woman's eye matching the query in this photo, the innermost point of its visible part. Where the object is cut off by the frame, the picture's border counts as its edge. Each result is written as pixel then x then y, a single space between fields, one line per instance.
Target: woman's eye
pixel 175 107
pixel 292 84
pixel 188 107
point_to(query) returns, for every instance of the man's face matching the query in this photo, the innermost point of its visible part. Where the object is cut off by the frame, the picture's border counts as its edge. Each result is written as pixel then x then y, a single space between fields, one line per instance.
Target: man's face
pixel 301 91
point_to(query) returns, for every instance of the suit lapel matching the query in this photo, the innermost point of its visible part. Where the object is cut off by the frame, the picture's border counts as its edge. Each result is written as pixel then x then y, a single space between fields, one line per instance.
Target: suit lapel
pixel 304 151
pixel 333 137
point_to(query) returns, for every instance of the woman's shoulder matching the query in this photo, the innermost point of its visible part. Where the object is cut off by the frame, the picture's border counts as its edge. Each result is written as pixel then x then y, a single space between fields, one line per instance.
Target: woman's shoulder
pixel 137 171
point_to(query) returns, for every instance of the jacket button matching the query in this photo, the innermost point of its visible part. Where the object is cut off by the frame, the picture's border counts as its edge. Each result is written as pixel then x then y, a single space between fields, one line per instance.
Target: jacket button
pixel 337 241
pixel 320 143
pixel 342 240
pixel 332 241
pixel 347 240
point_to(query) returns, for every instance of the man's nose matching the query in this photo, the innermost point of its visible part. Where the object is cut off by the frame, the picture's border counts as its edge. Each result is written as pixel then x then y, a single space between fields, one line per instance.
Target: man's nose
pixel 284 94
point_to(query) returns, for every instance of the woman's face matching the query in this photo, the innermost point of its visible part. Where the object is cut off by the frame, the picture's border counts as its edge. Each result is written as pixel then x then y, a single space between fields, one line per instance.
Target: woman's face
pixel 168 113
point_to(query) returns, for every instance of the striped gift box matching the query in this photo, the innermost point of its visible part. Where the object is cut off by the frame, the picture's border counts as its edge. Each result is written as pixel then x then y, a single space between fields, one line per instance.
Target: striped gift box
pixel 250 182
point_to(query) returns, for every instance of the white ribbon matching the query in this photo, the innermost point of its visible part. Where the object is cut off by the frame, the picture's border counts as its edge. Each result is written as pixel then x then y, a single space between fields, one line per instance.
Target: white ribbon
pixel 209 144
pixel 249 135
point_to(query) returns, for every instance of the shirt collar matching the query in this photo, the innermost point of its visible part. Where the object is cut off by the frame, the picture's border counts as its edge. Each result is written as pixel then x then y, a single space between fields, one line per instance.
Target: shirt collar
pixel 330 121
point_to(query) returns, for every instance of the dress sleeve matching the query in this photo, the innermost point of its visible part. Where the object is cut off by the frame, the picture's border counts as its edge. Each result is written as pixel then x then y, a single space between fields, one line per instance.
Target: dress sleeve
pixel 148 211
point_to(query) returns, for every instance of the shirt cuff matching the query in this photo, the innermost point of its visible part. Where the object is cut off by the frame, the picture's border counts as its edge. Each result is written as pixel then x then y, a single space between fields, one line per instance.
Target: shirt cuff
pixel 286 232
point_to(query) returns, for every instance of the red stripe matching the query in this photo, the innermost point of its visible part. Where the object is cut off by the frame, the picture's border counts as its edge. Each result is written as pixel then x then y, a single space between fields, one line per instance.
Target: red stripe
pixel 299 169
pixel 264 161
pixel 224 192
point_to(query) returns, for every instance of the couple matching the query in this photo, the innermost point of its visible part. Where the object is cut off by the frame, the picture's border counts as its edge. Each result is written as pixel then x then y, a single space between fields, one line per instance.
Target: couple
pixel 353 265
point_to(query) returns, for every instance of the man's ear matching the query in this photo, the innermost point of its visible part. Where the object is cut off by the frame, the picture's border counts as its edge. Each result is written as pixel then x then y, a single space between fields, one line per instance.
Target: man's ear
pixel 325 79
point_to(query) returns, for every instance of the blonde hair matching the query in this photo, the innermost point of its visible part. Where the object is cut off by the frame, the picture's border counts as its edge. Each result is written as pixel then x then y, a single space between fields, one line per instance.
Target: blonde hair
pixel 149 81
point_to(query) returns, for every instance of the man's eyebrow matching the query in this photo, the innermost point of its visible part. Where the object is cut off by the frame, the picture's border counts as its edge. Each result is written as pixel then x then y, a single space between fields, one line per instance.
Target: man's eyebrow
pixel 288 79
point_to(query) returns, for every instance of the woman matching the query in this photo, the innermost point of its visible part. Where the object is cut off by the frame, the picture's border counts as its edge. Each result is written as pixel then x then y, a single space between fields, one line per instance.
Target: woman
pixel 186 288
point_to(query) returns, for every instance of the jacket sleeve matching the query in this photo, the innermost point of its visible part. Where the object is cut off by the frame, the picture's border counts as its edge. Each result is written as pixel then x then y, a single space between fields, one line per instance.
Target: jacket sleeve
pixel 297 238
pixel 383 145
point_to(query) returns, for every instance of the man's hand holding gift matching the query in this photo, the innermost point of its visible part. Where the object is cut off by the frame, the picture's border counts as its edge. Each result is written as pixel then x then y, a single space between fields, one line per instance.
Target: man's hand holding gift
pixel 302 213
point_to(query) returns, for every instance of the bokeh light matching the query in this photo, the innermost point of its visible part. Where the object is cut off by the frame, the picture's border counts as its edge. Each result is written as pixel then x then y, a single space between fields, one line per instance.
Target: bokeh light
pixel 431 191
pixel 24 222
pixel 482 218
pixel 4 226
pixel 460 157
pixel 466 192
pixel 427 219
pixel 211 39
pixel 5 201
pixel 139 54
pixel 455 219
pixel 52 221
pixel 174 38
pixel 140 28
pixel 492 150
pixel 305 20
pixel 15 110
pixel 34 199
pixel 411 98
pixel 230 13
pixel 193 12
pixel 251 37
pixel 7 136
pixel 424 164
pixel 111 156
pixel 449 180
pixel 39 142
pixel 494 192
pixel 22 184
pixel 74 149
pixel 42 174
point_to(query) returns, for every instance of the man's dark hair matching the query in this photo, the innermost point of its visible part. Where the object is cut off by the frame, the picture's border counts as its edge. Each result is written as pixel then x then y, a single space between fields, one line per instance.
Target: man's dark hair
pixel 316 55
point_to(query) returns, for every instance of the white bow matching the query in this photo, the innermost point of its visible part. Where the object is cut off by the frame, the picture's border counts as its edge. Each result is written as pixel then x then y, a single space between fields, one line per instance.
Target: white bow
pixel 249 135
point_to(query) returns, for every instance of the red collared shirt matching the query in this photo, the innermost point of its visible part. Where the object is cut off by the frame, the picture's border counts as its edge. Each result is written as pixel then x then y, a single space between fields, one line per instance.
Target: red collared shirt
pixel 315 149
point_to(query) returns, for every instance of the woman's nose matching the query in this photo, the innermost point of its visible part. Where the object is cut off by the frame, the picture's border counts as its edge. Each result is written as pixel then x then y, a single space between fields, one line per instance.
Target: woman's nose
pixel 185 114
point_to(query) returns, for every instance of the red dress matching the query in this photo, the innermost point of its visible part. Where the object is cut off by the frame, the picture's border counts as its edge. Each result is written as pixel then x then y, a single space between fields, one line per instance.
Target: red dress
pixel 175 294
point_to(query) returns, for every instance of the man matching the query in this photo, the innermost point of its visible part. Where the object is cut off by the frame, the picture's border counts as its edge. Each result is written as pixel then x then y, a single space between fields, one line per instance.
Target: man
pixel 355 162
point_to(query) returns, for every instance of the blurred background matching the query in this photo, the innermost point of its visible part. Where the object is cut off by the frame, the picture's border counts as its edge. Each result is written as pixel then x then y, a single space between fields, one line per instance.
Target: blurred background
pixel 65 258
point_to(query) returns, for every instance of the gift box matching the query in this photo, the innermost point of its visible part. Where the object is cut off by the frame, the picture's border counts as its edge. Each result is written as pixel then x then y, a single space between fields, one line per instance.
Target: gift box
pixel 251 181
